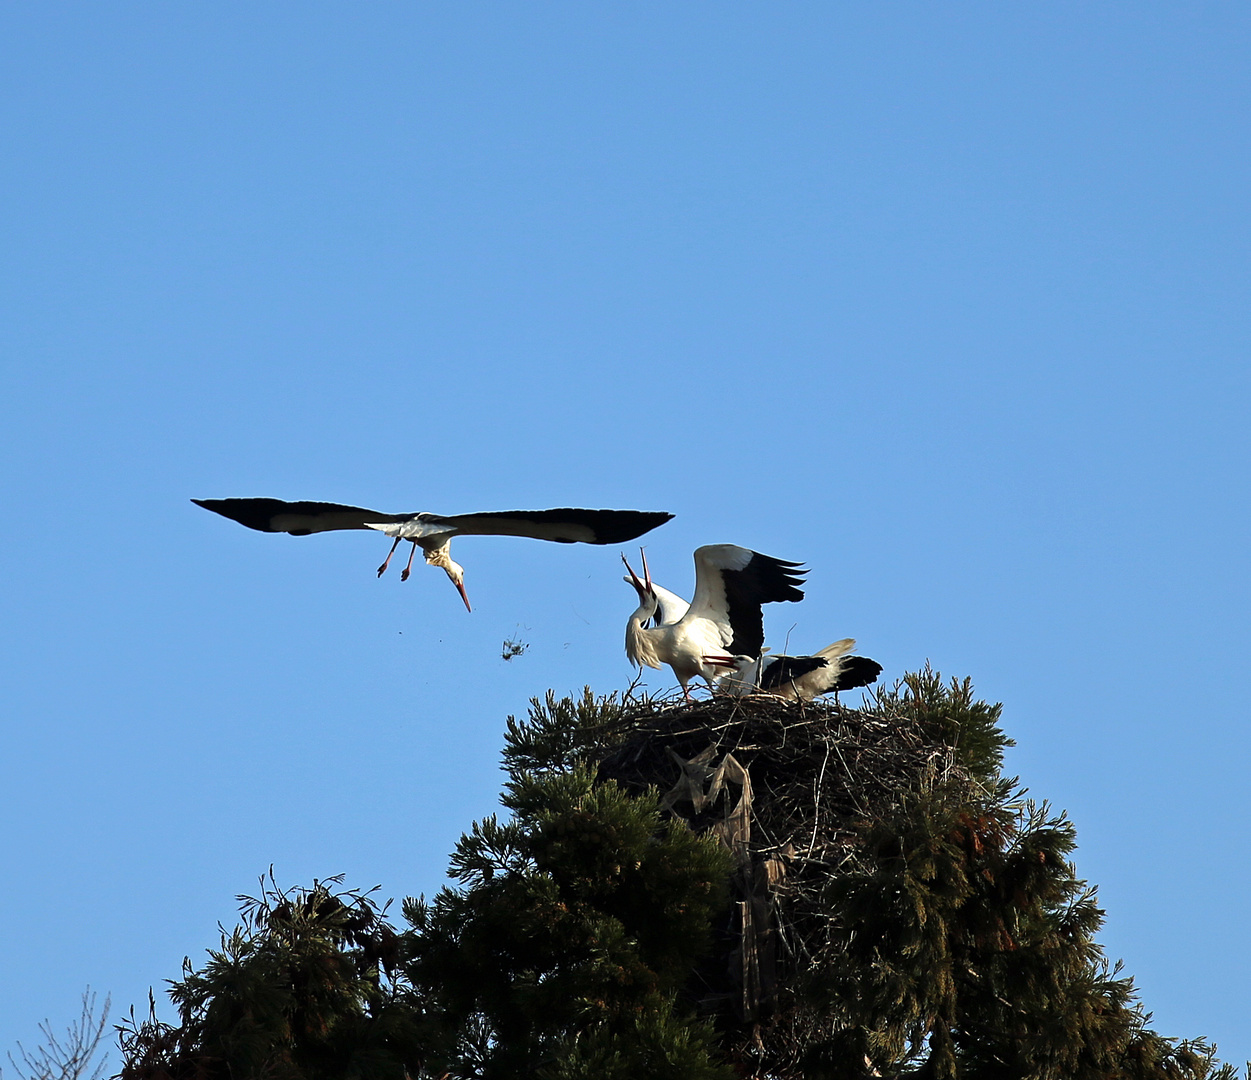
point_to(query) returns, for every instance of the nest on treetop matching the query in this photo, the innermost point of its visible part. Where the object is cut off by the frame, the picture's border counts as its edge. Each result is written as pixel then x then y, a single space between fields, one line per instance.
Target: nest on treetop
pixel 786 786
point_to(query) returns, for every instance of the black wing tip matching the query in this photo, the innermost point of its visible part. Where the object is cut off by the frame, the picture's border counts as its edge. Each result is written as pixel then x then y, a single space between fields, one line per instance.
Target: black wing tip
pixel 783 578
pixel 783 566
pixel 856 671
pixel 216 505
pixel 251 513
pixel 618 526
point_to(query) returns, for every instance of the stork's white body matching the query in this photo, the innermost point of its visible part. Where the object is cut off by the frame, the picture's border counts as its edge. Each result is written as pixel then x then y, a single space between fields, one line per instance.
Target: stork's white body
pixel 681 645
pixel 797 678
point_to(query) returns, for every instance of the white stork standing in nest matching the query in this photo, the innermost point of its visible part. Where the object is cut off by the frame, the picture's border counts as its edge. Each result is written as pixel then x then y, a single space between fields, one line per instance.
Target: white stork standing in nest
pixel 433 532
pixel 798 678
pixel 731 584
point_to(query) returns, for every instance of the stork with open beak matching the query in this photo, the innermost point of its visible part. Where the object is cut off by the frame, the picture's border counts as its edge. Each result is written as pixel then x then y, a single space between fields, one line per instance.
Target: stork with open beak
pixel 433 532
pixel 670 607
pixel 731 585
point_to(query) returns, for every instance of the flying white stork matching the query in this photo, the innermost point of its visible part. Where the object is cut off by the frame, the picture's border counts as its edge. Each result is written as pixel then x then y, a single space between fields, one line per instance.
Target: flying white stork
pixel 433 532
pixel 799 678
pixel 731 584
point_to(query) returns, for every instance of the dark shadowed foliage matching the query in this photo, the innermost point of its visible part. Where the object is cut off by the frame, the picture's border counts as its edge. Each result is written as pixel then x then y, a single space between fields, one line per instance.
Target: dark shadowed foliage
pixel 730 888
pixel 305 988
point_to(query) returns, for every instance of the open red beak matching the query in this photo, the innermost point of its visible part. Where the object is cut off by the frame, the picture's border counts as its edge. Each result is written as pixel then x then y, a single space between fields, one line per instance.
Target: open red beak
pixel 643 588
pixel 720 661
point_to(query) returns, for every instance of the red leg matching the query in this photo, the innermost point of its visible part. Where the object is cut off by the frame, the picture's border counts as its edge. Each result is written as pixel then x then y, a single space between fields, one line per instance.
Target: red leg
pixel 409 568
pixel 387 562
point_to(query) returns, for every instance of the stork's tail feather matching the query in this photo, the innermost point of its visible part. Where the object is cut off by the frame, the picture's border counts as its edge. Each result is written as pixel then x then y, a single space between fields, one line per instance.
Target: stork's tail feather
pixel 856 671
pixel 838 648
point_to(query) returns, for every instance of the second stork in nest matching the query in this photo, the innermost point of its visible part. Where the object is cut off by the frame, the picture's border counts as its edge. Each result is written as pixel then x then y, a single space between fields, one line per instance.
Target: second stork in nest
pixel 798 678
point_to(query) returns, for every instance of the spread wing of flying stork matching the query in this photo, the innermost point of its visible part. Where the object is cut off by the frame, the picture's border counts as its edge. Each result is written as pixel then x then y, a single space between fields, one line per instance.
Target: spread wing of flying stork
pixel 433 532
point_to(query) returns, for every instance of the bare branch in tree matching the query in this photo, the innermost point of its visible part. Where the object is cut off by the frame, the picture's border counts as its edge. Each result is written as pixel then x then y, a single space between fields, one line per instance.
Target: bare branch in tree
pixel 68 1057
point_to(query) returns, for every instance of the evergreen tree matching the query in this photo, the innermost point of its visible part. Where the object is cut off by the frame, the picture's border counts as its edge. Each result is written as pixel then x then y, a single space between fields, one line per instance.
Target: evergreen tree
pixel 971 950
pixel 745 887
pixel 307 988
pixel 911 913
pixel 576 927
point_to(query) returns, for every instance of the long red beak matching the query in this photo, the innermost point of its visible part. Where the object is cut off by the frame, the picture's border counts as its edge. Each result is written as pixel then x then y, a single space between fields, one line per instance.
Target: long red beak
pixel 641 587
pixel 460 588
pixel 720 661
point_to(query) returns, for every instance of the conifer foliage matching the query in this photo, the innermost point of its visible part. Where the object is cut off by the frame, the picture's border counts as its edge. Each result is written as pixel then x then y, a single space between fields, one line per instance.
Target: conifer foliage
pixel 910 912
pixel 576 925
pixel 730 888
pixel 306 988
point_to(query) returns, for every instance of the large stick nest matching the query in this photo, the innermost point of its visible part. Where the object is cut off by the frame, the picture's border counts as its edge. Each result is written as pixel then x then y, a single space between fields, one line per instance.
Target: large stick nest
pixel 786 786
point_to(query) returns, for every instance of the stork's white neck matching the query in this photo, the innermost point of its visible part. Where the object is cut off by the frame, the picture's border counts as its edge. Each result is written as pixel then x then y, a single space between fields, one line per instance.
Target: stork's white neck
pixel 436 554
pixel 640 645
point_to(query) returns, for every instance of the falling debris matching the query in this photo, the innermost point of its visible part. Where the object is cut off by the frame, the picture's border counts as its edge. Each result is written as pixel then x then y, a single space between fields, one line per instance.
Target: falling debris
pixel 513 647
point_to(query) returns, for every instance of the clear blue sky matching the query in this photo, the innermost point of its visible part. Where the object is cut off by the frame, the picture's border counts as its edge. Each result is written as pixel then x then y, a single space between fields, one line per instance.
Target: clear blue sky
pixel 949 302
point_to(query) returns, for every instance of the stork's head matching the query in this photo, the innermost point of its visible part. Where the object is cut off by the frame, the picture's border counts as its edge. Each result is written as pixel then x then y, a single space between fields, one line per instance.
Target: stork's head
pixel 648 601
pixel 735 675
pixel 438 556
pixel 456 573
pixel 639 647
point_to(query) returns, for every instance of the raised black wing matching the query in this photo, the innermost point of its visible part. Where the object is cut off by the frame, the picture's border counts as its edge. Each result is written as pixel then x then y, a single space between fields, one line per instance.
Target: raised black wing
pixel 731 584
